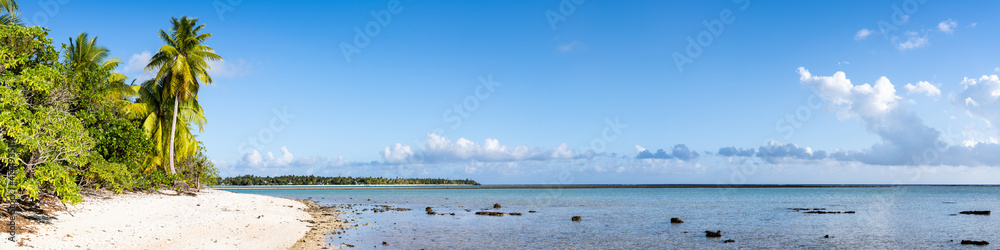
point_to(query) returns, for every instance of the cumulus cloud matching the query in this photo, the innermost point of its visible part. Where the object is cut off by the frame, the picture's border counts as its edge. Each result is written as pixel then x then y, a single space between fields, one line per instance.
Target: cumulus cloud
pixel 255 159
pixel 862 34
pixel 679 151
pixel 980 98
pixel 924 88
pixel 881 111
pixel 136 66
pixel 947 26
pixel 733 151
pixel 913 41
pixel 438 149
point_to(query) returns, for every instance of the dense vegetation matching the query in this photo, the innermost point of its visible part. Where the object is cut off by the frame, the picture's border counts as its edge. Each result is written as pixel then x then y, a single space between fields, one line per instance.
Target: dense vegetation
pixel 248 180
pixel 69 121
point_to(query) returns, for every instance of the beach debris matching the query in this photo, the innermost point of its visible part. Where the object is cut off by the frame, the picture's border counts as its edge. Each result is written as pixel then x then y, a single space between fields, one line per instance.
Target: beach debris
pixel 576 218
pixel 728 241
pixel 975 242
pixel 496 205
pixel 976 212
pixel 676 220
pixel 715 234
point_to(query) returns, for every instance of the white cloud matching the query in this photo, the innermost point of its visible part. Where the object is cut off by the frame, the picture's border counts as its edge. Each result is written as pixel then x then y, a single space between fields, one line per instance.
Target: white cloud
pixel 980 97
pixel 397 153
pixel 575 45
pixel 438 149
pixel 862 34
pixel 947 26
pixel 924 88
pixel 255 159
pixel 903 133
pixel 136 66
pixel 913 41
pixel 228 69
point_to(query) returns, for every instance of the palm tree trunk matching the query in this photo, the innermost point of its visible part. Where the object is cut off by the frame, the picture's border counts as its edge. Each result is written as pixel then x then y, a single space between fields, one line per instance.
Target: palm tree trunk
pixel 173 130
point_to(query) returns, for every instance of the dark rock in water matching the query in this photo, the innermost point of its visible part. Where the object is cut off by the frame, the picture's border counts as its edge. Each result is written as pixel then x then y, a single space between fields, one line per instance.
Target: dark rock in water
pixel 976 212
pixel 676 220
pixel 532 211
pixel 490 213
pixel 576 218
pixel 497 205
pixel 728 241
pixel 974 242
pixel 715 234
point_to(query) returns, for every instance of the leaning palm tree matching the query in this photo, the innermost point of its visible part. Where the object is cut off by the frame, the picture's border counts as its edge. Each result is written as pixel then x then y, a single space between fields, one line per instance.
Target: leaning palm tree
pixel 181 65
pixel 84 55
pixel 155 113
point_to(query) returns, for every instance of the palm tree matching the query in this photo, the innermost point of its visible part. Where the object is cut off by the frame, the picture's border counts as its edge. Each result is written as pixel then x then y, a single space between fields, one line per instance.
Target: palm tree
pixel 12 13
pixel 181 66
pixel 84 55
pixel 155 114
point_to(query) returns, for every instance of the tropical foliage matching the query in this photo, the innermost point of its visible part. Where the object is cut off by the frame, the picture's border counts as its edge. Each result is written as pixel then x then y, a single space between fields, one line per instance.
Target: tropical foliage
pixel 69 121
pixel 248 180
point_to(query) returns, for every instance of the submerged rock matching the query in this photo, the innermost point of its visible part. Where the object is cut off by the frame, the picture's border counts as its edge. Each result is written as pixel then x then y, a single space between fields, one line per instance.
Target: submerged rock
pixel 676 220
pixel 976 212
pixel 715 234
pixel 490 213
pixel 975 242
pixel 576 218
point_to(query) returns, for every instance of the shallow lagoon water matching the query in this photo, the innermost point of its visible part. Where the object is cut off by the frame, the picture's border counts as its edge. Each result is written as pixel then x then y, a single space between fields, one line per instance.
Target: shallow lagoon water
pixel 886 217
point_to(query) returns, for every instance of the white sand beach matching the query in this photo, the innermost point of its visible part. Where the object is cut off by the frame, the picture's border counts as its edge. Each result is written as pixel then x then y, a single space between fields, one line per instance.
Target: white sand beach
pixel 212 220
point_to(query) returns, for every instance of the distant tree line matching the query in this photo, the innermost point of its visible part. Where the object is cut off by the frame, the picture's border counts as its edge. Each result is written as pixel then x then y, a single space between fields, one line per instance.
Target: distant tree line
pixel 248 180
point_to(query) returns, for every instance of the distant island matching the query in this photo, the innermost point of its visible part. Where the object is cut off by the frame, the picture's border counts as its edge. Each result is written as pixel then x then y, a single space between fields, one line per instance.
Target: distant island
pixel 250 180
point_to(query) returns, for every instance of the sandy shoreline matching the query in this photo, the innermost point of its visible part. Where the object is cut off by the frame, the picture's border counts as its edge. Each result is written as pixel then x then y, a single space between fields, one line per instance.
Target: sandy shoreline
pixel 213 219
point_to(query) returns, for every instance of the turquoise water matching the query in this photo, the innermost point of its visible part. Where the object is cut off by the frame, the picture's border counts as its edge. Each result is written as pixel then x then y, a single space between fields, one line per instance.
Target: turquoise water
pixel 886 217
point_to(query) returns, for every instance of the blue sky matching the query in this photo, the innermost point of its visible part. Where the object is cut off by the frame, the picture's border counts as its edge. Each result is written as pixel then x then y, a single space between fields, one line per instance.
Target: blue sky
pixel 574 91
